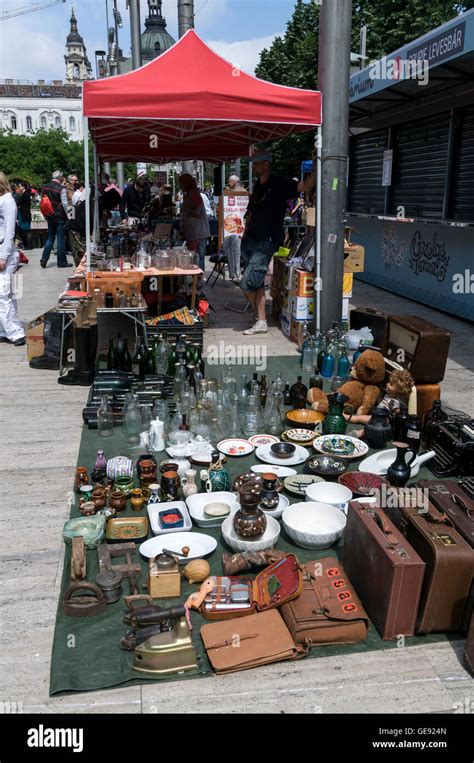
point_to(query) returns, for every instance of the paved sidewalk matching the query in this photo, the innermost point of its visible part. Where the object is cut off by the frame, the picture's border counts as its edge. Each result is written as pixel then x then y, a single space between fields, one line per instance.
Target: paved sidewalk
pixel 40 428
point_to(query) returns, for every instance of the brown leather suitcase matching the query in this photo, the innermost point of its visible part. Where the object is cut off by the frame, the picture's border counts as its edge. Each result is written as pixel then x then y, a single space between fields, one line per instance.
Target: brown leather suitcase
pixel 360 317
pixel 450 499
pixel 419 346
pixel 449 567
pixel 384 569
pixel 469 648
pixel 328 610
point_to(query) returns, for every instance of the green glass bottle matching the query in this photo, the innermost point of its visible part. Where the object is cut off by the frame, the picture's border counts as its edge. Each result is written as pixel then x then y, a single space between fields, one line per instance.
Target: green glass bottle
pixel 150 367
pixel 126 357
pixel 137 361
pixel 172 360
pixel 316 380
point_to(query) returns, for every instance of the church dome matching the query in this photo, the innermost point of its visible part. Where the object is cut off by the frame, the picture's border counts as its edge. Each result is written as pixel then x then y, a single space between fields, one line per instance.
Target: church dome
pixel 74 36
pixel 155 39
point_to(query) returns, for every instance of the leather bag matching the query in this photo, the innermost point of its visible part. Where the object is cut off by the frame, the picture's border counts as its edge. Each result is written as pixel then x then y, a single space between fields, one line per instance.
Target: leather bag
pixel 248 642
pixel 328 610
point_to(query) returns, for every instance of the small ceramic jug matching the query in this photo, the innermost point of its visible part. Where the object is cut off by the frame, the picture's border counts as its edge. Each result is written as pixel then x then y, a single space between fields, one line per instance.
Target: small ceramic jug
pixel 154 496
pixel 137 499
pixel 189 483
pixel 398 473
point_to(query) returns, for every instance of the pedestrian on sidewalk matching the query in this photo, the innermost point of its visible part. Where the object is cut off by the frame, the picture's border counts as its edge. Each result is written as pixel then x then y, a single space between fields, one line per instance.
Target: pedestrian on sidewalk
pixel 23 202
pixel 56 192
pixel 11 329
pixel 263 234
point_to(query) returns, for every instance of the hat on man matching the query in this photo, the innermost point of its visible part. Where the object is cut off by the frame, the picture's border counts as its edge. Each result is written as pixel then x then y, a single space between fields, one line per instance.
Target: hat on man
pixel 261 156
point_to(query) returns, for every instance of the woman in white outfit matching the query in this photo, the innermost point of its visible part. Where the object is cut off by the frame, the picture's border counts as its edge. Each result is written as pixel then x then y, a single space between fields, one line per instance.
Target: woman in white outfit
pixel 11 329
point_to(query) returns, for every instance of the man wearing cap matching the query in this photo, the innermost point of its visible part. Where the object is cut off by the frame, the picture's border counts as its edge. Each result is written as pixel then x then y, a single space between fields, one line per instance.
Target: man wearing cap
pixel 263 233
pixel 57 194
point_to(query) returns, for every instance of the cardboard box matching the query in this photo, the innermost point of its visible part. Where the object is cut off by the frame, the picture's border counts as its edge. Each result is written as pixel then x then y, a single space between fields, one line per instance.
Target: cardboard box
pixel 296 331
pixel 354 258
pixel 302 308
pixel 347 284
pixel 285 323
pixel 309 217
pixel 35 337
pixel 302 283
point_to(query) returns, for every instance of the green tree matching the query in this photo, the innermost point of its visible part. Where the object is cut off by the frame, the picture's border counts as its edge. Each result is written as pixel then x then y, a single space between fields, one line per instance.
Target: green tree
pixel 35 157
pixel 292 59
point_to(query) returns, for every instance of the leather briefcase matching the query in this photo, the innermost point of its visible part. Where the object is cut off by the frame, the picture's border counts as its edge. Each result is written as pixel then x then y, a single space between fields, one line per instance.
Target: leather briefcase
pixel 450 499
pixel 419 346
pixel 328 610
pixel 247 642
pixel 469 648
pixel 449 567
pixel 384 569
pixel 239 596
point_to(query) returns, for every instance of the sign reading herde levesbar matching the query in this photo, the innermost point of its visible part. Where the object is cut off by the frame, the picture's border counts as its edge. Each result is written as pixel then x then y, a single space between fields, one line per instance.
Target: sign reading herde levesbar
pixel 442 46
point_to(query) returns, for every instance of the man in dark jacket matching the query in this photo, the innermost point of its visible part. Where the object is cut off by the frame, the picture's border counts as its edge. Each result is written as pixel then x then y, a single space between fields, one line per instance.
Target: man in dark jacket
pixel 134 199
pixel 56 192
pixel 23 202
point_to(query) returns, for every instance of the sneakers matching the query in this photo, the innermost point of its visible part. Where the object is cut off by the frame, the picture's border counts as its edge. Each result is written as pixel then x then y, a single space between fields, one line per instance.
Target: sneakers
pixel 19 342
pixel 259 327
pixel 43 264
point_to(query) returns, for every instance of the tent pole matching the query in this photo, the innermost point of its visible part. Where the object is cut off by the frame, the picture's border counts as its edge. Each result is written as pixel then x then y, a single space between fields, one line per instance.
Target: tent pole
pixel 96 195
pixel 85 132
pixel 222 202
pixel 317 228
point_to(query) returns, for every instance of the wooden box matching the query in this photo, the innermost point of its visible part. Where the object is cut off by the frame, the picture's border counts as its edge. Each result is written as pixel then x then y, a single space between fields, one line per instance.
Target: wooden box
pixel 163 584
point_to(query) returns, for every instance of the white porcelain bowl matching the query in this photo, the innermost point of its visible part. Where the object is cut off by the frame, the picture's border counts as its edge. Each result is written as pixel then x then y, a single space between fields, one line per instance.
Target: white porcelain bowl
pixel 329 492
pixel 198 501
pixel 314 525
pixel 267 540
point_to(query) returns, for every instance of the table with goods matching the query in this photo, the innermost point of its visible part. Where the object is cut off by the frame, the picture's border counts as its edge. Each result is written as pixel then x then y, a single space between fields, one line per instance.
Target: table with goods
pixel 296 511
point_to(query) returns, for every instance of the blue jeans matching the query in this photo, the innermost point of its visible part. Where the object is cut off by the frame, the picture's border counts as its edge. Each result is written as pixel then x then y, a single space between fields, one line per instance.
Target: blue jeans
pixel 201 250
pixel 55 230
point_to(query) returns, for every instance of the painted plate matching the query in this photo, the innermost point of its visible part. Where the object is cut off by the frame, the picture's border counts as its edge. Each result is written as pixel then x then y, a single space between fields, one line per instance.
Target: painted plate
pixel 199 545
pixel 264 454
pixel 341 446
pixel 299 436
pixel 234 446
pixel 298 484
pixel 203 459
pixel 280 471
pixel 362 483
pixel 263 439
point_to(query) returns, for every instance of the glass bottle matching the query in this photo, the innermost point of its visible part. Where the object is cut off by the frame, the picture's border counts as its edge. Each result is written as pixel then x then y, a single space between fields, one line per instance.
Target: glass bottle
pixel 184 426
pixel 160 411
pixel 180 347
pixel 287 395
pixel 137 361
pixel 279 383
pixel 327 366
pixel 273 421
pixel 162 351
pixel 434 416
pixel 243 395
pixel 307 356
pixel 111 355
pixel 100 462
pixel 118 353
pixel 180 378
pixel 249 383
pixel 250 419
pixel 199 360
pixel 305 341
pixel 343 365
pixel 133 423
pixel 105 419
pixel 193 418
pixel 413 437
pixel 316 380
pixel 145 412
pixel 298 392
pixel 126 357
pixel 234 420
pixel 129 397
pixel 229 383
pixel 150 369
pixel 172 360
pixel 400 424
pixel 317 346
pixel 337 381
pixel 263 390
pixel 177 418
pixel 202 429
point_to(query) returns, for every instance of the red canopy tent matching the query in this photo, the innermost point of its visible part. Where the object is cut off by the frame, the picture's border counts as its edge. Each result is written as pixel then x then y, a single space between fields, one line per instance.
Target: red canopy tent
pixel 192 104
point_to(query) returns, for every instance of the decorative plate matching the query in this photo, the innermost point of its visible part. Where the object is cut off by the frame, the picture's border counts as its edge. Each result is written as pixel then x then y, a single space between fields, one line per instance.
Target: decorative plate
pixel 299 436
pixel 280 471
pixel 235 446
pixel 361 483
pixel 341 446
pixel 203 459
pixel 240 481
pixel 199 545
pixel 264 454
pixel 298 484
pixel 263 439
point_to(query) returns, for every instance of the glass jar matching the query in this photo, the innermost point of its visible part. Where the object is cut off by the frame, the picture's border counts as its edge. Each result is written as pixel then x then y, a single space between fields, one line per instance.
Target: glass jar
pixel 133 423
pixel 105 419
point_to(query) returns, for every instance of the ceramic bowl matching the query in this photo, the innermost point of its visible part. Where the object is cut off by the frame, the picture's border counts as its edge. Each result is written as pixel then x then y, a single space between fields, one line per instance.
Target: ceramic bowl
pixel 328 467
pixel 329 492
pixel 217 510
pixel 361 483
pixel 299 436
pixel 313 525
pixel 267 540
pixel 198 501
pixel 120 466
pixel 306 417
pixel 283 449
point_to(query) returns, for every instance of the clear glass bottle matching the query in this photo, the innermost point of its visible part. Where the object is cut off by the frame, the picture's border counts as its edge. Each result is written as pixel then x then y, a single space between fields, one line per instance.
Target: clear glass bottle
pixel 146 417
pixel 307 356
pixel 251 418
pixel 233 423
pixel 161 412
pixel 129 397
pixel 202 429
pixel 274 422
pixel 243 395
pixel 177 417
pixel 133 423
pixel 105 419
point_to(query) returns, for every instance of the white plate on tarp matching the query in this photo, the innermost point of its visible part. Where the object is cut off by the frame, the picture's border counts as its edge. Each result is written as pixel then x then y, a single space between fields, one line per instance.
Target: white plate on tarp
pixel 280 471
pixel 264 453
pixel 199 545
pixel 378 463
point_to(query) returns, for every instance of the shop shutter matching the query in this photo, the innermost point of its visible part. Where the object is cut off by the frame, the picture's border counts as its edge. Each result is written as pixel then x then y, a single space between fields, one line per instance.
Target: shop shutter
pixel 419 167
pixel 462 207
pixel 366 193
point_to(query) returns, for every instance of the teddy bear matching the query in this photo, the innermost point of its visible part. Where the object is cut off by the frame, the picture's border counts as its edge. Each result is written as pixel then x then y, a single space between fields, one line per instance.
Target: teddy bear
pixel 362 391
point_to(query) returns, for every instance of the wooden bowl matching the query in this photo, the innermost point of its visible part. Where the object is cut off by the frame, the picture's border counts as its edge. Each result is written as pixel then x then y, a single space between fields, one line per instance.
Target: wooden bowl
pixel 305 417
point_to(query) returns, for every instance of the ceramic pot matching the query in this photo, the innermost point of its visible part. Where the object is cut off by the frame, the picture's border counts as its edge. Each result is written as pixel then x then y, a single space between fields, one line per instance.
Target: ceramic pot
pixel 137 499
pixel 399 472
pixel 87 509
pixel 147 471
pixel 118 500
pixel 124 484
pixel 170 486
pixel 378 430
pixel 98 477
pixel 82 478
pixel 120 466
pixel 99 497
pixel 148 457
pixel 269 497
pixel 85 493
pixel 249 521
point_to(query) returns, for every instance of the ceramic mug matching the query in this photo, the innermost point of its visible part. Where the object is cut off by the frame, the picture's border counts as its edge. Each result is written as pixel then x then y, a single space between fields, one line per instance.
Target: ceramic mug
pixel 330 493
pixel 85 493
pixel 124 484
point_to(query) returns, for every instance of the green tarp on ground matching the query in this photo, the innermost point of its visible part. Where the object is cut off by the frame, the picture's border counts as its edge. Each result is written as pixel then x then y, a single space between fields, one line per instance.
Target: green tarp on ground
pixel 86 653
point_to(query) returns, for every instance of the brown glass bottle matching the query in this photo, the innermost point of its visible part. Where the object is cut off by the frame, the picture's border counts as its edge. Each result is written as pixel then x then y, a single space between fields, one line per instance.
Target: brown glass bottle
pixel 413 437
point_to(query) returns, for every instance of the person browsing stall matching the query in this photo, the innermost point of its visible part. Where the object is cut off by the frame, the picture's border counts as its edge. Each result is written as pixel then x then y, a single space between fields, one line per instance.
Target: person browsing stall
pixel 194 222
pixel 263 233
pixel 134 199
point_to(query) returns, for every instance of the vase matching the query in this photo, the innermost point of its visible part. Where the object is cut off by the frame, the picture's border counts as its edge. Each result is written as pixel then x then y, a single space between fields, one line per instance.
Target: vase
pixel 189 483
pixel 269 497
pixel 99 497
pixel 218 477
pixel 169 487
pixel 118 500
pixel 399 472
pixel 249 521
pixel 100 465
pixel 335 423
pixel 154 496
pixel 378 430
pixel 137 499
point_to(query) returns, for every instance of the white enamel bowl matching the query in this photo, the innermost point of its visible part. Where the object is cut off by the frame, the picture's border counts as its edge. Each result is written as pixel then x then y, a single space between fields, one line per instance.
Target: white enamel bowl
pixel 314 525
pixel 267 540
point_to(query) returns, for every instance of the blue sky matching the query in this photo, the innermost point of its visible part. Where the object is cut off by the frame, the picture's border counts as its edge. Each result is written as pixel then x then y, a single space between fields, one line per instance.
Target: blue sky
pixel 32 45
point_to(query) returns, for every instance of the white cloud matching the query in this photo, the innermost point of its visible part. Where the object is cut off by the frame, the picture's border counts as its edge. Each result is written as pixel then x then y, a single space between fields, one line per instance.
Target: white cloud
pixel 245 54
pixel 31 55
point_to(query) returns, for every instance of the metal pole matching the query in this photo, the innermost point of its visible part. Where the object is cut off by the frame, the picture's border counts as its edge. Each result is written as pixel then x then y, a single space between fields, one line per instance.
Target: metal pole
pixel 135 33
pixel 96 196
pixel 186 22
pixel 85 132
pixel 107 168
pixel 222 201
pixel 317 229
pixel 333 80
pixel 185 16
pixel 120 175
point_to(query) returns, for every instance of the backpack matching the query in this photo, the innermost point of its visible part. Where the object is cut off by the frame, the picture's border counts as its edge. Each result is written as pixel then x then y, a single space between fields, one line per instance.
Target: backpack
pixel 46 205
